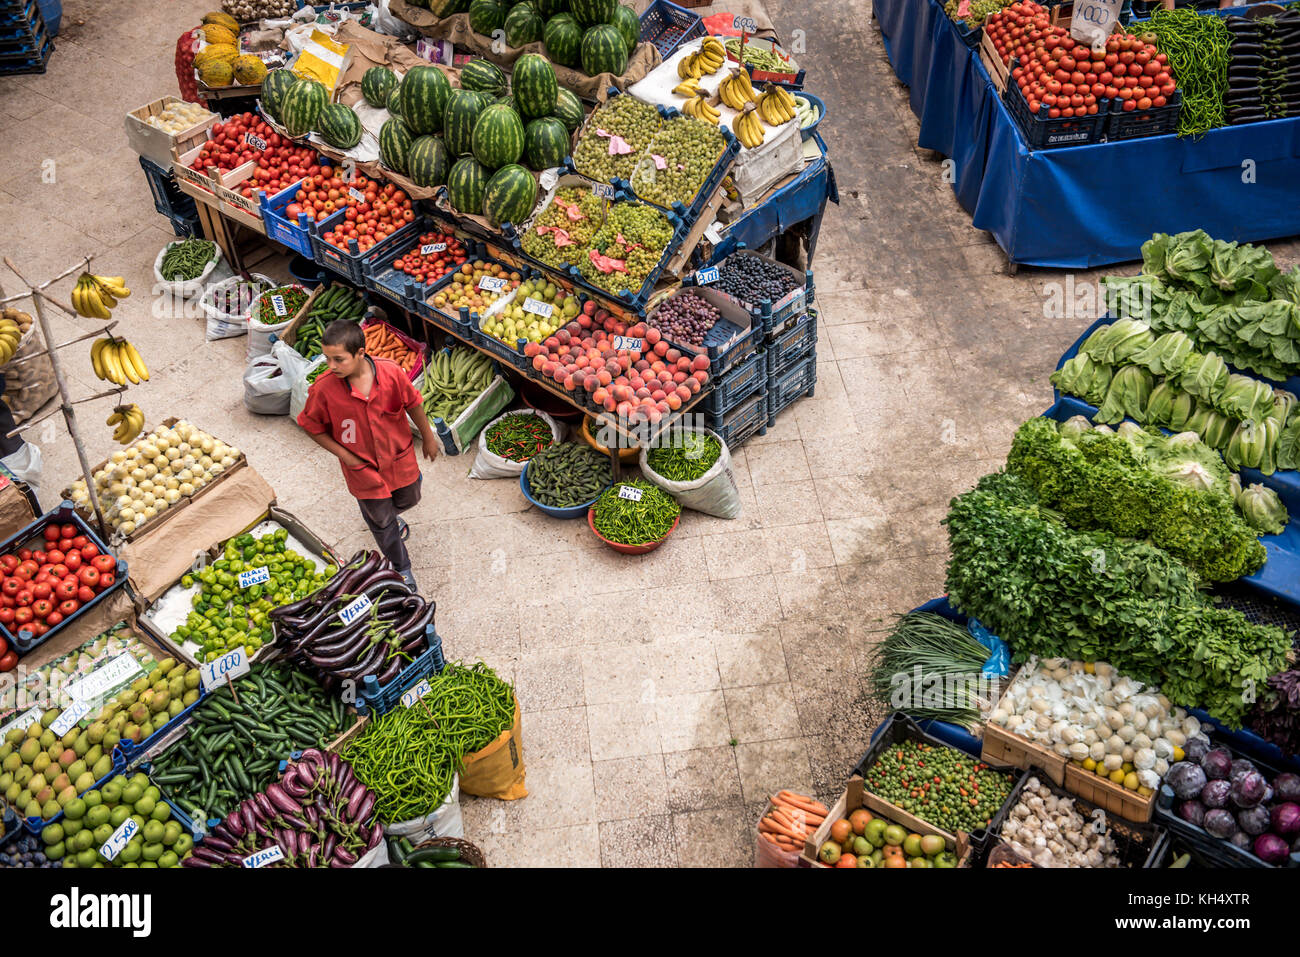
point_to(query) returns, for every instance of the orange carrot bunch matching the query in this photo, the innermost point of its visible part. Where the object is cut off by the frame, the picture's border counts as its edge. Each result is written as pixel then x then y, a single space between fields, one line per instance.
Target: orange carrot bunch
pixel 792 819
pixel 383 343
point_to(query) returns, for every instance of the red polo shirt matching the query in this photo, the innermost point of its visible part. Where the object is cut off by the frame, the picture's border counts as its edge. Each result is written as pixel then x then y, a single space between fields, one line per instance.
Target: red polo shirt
pixel 373 427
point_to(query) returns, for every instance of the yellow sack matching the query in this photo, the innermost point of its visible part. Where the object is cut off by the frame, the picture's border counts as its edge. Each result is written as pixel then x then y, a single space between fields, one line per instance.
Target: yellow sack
pixel 497 771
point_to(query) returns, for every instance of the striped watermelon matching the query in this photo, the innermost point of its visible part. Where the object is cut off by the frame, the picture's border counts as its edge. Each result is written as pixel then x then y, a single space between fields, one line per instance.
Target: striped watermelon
pixel 339 126
pixel 427 161
pixel 465 185
pixel 445 8
pixel 551 8
pixel 568 109
pixel 486 16
pixel 422 98
pixel 563 39
pixel 498 138
pixel 629 24
pixel 392 103
pixel 589 13
pixel 534 86
pixel 395 140
pixel 376 84
pixel 604 51
pixel 484 76
pixel 300 109
pixel 523 25
pixel 507 99
pixel 274 88
pixel 510 195
pixel 546 143
pixel 463 109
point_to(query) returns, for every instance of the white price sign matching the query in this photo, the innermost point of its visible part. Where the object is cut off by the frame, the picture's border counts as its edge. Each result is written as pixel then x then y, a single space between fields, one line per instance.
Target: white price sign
pixel 263 858
pixel 630 343
pixel 354 610
pixel 629 492
pixel 103 679
pixel 745 24
pixel 603 190
pixel 68 719
pixel 233 664
pixel 356 194
pixel 24 721
pixel 256 142
pixel 119 839
pixel 706 276
pixel 543 309
pixel 254 576
pixel 493 283
pixel 277 303
pixel 429 248
pixel 412 695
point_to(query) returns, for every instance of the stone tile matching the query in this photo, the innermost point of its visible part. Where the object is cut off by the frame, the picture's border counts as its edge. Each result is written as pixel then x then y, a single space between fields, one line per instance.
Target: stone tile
pixel 750 659
pixel 762 712
pixel 702 778
pixel 630 787
pixel 811 593
pixel 714 838
pixel 639 842
pixel 623 729
pixel 794 503
pixel 797 548
pixel 778 463
pixel 769 766
pixel 735 555
pixel 577 846
pixel 550 679
pixel 692 720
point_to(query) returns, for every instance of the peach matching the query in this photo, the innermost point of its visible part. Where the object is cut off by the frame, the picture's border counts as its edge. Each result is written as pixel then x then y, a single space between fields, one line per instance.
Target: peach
pixel 661 348
pixel 532 349
pixel 679 377
pixel 700 364
pixel 599 396
pixel 653 335
pixel 682 392
pixel 589 307
pixel 609 404
pixel 674 402
pixel 672 355
pixel 590 383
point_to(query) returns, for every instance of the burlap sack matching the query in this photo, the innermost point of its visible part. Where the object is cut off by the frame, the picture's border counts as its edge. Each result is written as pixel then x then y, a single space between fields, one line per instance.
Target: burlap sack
pixel 30 384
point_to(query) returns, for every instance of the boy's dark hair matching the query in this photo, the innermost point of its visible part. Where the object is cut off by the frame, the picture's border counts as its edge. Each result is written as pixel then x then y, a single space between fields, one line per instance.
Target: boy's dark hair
pixel 345 333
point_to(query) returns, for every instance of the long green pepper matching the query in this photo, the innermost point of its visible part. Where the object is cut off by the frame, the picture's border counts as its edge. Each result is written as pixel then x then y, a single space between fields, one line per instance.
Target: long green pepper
pixel 1197 49
pixel 519 437
pixel 630 522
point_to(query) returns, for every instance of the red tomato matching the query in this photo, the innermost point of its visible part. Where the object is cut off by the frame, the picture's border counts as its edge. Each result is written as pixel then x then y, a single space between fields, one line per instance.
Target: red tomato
pixel 104 563
pixel 89 551
pixel 22 615
pixel 38 628
pixel 7 601
pixel 10 562
pixel 42 607
pixel 6 618
pixel 9 660
pixel 85 594
pixel 73 560
pixel 67 588
pixel 52 533
pixel 12 586
pixel 42 590
pixel 88 576
pixel 69 531
pixel 53 618
pixel 24 554
pixel 40 558
pixel 54 557
pixel 64 544
pixel 68 606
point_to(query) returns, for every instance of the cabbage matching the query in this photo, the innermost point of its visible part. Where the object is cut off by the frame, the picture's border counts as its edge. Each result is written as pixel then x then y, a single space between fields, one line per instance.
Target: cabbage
pixel 1186 779
pixel 1271 849
pixel 1083 376
pixel 1188 257
pixel 1287 452
pixel 1248 790
pixel 1092 346
pixel 1245 398
pixel 1262 509
pixel 1219 823
pixel 1166 355
pixel 1188 461
pixel 1215 794
pixel 1204 376
pixel 1180 411
pixel 1160 404
pixel 1287 786
pixel 1074 427
pixel 1283 403
pixel 1122 341
pixel 1285 819
pixel 1254 820
pixel 1217 764
pixel 1127 396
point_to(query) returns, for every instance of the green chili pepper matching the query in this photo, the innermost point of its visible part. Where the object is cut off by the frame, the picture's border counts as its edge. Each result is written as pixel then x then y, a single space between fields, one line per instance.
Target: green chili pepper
pixel 519 437
pixel 629 521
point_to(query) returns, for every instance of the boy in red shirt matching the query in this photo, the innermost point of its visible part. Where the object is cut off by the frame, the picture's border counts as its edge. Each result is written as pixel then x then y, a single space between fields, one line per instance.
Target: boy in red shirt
pixel 359 413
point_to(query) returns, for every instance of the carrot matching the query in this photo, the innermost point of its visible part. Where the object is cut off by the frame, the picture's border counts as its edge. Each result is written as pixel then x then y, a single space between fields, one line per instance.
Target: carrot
pixel 779 829
pixel 807 804
pixel 792 823
pixel 768 836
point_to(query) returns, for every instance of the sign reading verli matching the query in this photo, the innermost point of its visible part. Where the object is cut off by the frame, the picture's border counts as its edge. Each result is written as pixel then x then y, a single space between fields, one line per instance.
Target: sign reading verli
pixel 277 303
pixel 233 664
pixel 264 858
pixel 429 248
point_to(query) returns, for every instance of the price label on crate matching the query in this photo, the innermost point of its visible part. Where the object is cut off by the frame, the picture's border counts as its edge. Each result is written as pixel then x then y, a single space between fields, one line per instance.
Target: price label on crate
pixel 356 194
pixel 493 283
pixel 429 248
pixel 631 343
pixel 233 664
pixel 24 721
pixel 68 719
pixel 354 610
pixel 264 858
pixel 113 674
pixel 629 492
pixel 706 276
pixel 254 576
pixel 543 309
pixel 119 839
pixel 277 303
pixel 256 142
pixel 603 190
pixel 745 24
pixel 411 695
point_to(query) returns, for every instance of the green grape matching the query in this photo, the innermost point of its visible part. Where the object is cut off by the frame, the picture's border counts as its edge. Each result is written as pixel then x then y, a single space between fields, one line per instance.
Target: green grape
pixel 690 148
pixel 625 116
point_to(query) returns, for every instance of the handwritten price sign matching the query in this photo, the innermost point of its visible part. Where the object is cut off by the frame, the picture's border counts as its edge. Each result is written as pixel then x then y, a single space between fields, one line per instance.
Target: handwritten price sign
pixel 277 303
pixel 412 695
pixel 543 309
pixel 603 190
pixel 630 493
pixel 66 721
pixel 706 276
pixel 256 142
pixel 233 664
pixel 430 248
pixel 744 24
pixel 119 839
pixel 493 284
pixel 630 343
pixel 254 576
pixel 264 858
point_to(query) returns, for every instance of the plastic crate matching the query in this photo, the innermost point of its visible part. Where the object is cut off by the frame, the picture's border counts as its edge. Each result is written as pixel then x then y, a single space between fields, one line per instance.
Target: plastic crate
pixel 968 36
pixel 794 303
pixel 25 15
pixel 350 263
pixel 796 343
pixel 668 26
pixel 419 348
pixel 382 278
pixel 24 43
pixel 185 226
pixel 296 236
pixel 380 699
pixel 1043 133
pixel 738 332
pixel 132 752
pixel 787 387
pixel 746 419
pixel 167 197
pixel 743 380
pixel 33 62
pixel 458 323
pixel 491 344
pixel 1156 121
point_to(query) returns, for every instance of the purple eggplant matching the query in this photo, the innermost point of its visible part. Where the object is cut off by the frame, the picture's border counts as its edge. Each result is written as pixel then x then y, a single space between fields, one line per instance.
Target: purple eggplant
pixel 205 853
pixel 217 843
pixel 195 862
pixel 354 804
pixel 275 794
pixel 367 805
pixel 331 840
pixel 335 862
pixel 234 858
pixel 294 789
pixel 344 855
pixel 311 855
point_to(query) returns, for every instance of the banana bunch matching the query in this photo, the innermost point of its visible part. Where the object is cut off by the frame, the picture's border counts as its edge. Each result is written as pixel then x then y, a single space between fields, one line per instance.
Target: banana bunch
pixel 129 421
pixel 736 90
pixel 748 129
pixel 94 296
pixel 116 360
pixel 705 61
pixel 689 88
pixel 10 333
pixel 776 106
pixel 700 109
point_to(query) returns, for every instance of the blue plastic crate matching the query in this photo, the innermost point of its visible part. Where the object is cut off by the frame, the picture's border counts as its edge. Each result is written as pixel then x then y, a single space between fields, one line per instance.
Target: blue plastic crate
pixel 787 387
pixel 26 44
pixel 167 197
pixel 1250 744
pixel 52 13
pixel 796 343
pixel 397 286
pixel 23 14
pixel 738 384
pixel 132 752
pixel 1157 121
pixel 738 331
pixel 442 428
pixel 747 418
pixel 350 263
pixel 27 63
pixel 668 26
pixel 968 36
pixel 792 304
pixel 380 699
pixel 185 226
pixel 296 236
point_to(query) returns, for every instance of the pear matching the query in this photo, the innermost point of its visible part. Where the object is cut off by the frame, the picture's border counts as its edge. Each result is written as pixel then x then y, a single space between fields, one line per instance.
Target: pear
pixel 48 716
pixel 69 739
pixel 94 754
pixel 12 763
pixel 6 749
pixel 111 737
pixel 95 733
pixel 104 716
pixel 68 758
pixel 102 766
pixel 146 698
pixel 24 775
pixel 37 782
pixel 140 684
pixel 82 744
pixel 15 736
pixel 32 809
pixel 44 794
pixel 139 713
pixel 126 699
pixel 175 707
pixel 66 796
pixel 176 687
pixel 132 733
pixel 146 730
pixel 48 739
pixel 61 782
pixel 192 678
pixel 6 779
pixel 77 769
pixel 27 753
pixel 166 665
pixel 35 730
pixel 86 780
pixel 41 762
pixel 50 809
pixel 162 697
pixel 12 792
pixel 118 723
pixel 191 696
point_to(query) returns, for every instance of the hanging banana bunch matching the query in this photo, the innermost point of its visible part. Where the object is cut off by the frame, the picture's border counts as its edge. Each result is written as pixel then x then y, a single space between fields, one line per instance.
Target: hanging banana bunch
pixel 705 61
pixel 94 296
pixel 116 360
pixel 748 129
pixel 129 421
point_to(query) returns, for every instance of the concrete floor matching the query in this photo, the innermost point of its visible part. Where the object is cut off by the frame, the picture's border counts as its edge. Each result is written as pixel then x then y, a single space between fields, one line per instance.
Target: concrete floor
pixel 665 695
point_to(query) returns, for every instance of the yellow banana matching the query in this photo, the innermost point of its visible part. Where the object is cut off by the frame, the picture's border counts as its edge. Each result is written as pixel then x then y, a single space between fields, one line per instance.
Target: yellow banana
pixel 112 365
pixel 689 87
pixel 750 94
pixel 114 418
pixel 115 285
pixel 141 369
pixel 96 360
pixel 123 360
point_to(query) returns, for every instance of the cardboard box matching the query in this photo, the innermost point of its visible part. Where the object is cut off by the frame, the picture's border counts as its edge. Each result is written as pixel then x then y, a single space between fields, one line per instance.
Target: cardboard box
pixel 157 145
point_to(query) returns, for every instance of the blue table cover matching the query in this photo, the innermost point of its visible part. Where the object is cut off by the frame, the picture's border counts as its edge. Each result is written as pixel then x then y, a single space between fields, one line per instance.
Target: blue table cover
pixel 1084 206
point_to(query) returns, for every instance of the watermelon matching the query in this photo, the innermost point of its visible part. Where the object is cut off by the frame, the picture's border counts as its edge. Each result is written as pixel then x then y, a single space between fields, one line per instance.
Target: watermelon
pixel 300 109
pixel 486 16
pixel 392 103
pixel 483 76
pixel 551 8
pixel 563 39
pixel 274 88
pixel 534 86
pixel 422 98
pixel 376 84
pixel 445 8
pixel 590 13
pixel 507 99
pixel 498 138
pixel 510 195
pixel 523 25
pixel 629 24
pixel 568 109
pixel 339 126
pixel 463 109
pixel 604 51
pixel 427 161
pixel 395 140
pixel 546 143
pixel 465 185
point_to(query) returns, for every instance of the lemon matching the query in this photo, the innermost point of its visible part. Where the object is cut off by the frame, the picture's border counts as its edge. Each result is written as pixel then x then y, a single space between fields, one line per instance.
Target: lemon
pixel 1117 776
pixel 1131 781
pixel 1178 753
pixel 1127 766
pixel 1089 667
pixel 1145 791
pixel 1101 771
pixel 1089 764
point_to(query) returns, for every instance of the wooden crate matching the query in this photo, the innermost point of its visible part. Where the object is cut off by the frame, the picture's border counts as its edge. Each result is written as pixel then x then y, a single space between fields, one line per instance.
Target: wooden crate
pixel 218 190
pixel 1003 748
pixel 1106 794
pixel 998 71
pixel 157 145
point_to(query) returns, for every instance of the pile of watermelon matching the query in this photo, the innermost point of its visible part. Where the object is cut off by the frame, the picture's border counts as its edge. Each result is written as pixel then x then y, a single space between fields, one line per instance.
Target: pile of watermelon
pixel 594 36
pixel 302 105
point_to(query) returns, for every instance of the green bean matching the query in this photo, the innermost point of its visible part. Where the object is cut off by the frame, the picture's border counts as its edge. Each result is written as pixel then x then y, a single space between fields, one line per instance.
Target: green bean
pixel 187 259
pixel 627 521
pixel 1197 48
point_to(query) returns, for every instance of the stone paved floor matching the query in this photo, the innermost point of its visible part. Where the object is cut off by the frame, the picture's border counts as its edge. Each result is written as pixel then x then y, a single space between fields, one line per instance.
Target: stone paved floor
pixel 664 695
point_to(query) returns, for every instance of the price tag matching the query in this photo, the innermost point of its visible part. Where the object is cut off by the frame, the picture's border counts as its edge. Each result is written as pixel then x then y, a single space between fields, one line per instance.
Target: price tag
pixel 256 142
pixel 706 276
pixel 630 343
pixel 430 248
pixel 493 283
pixel 744 24
pixel 233 664
pixel 119 839
pixel 68 719
pixel 263 858
pixel 277 303
pixel 603 190
pixel 629 492
pixel 115 672
pixel 543 309
pixel 23 721
pixel 355 610
pixel 254 576
pixel 356 194
pixel 412 695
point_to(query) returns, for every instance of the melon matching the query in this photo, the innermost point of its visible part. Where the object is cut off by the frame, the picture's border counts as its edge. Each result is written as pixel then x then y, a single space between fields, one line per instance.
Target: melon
pixel 604 51
pixel 463 109
pixel 395 140
pixel 546 143
pixel 534 86
pixel 422 97
pixel 376 84
pixel 300 110
pixel 484 76
pixel 510 195
pixel 339 126
pixel 563 39
pixel 427 161
pixel 523 25
pixel 465 185
pixel 498 138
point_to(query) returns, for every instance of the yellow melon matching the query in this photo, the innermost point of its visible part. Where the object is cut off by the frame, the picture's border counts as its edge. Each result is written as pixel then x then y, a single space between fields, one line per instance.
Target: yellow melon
pixel 220 51
pixel 249 69
pixel 216 73
pixel 225 19
pixel 216 33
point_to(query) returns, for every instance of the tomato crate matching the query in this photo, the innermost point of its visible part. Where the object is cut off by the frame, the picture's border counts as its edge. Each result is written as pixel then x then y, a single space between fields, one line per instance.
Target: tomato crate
pixel 167 197
pixel 1156 121
pixel 350 262
pixel 392 284
pixel 372 697
pixel 667 26
pixel 796 343
pixel 457 322
pixel 1042 132
pixel 745 419
pixel 785 388
pixel 296 236
pixel 738 384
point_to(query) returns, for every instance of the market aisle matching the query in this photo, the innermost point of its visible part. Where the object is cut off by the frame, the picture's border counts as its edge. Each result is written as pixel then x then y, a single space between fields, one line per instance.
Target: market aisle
pixel 664 695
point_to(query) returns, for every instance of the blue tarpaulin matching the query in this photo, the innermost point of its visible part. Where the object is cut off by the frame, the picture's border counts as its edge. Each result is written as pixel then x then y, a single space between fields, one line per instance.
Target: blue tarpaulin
pixel 802 198
pixel 1084 206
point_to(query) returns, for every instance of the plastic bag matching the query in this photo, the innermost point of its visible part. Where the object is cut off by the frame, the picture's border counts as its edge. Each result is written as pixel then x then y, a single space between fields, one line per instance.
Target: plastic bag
pixel 225 305
pixel 298 391
pixel 713 493
pixel 447 821
pixel 497 771
pixel 385 22
pixel 29 384
pixel 26 465
pixel 183 288
pixel 266 387
pixel 260 334
pixel 487 464
pixel 769 854
pixel 1093 20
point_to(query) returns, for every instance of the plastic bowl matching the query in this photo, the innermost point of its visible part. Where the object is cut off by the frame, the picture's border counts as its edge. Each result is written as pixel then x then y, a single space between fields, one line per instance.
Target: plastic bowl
pixel 626 456
pixel 307 272
pixel 573 511
pixel 629 549
pixel 821 114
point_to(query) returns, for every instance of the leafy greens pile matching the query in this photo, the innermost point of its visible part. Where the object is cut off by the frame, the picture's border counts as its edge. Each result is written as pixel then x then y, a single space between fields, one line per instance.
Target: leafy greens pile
pixel 1051 591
